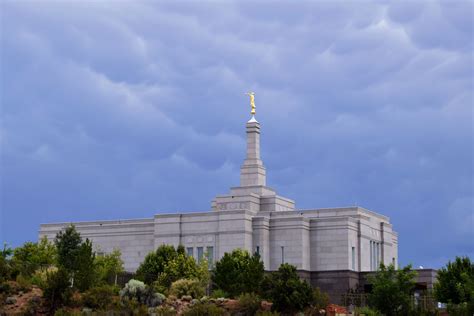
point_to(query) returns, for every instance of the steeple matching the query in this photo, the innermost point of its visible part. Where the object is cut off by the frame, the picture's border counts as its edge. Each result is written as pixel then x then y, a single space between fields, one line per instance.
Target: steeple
pixel 252 172
pixel 253 194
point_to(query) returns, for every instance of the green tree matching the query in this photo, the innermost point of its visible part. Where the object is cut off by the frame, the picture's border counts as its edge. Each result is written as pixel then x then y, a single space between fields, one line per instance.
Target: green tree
pixel 154 263
pixel 238 272
pixel 455 285
pixel 85 275
pixel 68 244
pixel 108 266
pixel 32 256
pixel 287 291
pixel 180 267
pixel 58 289
pixel 5 264
pixel 392 289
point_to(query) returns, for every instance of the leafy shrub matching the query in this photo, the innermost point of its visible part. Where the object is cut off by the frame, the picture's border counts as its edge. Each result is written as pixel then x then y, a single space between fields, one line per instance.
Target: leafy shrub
pixel 39 278
pixel 183 267
pixel 287 291
pixel 187 287
pixel 219 293
pixel 57 291
pixel 100 297
pixel 138 291
pixel 239 272
pixel 320 299
pixel 249 303
pixel 200 309
pixel 367 311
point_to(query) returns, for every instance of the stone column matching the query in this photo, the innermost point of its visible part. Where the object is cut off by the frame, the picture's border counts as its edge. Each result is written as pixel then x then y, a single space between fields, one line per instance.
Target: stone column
pixel 252 172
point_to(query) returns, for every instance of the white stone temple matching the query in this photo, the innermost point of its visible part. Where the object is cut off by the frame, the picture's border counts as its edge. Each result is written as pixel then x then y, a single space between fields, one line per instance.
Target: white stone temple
pixel 330 247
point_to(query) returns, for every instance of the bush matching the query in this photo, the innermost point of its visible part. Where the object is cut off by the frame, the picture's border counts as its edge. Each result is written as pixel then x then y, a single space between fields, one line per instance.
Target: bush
pixel 249 304
pixel 57 291
pixel 39 278
pixel 320 299
pixel 239 272
pixel 288 293
pixel 367 311
pixel 201 309
pixel 100 297
pixel 219 293
pixel 187 287
pixel 138 291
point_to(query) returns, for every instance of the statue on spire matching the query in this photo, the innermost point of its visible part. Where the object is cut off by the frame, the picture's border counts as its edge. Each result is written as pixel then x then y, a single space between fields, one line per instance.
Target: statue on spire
pixel 252 101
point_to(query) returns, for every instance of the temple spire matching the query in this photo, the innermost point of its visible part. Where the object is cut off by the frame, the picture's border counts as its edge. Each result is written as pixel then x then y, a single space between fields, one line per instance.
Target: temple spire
pixel 252 172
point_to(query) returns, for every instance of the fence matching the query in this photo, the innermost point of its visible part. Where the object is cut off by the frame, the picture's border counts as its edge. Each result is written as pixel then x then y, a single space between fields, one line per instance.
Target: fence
pixel 420 301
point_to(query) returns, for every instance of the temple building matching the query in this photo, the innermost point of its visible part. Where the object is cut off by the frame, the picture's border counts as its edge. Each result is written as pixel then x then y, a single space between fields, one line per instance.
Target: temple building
pixel 331 247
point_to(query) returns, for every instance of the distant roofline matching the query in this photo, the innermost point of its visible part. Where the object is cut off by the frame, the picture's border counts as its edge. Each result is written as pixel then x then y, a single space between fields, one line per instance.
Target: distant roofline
pixel 347 208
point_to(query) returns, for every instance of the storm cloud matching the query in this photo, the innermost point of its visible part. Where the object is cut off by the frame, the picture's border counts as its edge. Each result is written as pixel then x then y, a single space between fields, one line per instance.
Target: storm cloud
pixel 126 109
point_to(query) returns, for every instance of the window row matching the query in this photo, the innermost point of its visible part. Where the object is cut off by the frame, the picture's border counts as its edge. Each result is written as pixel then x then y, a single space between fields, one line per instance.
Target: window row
pixel 375 255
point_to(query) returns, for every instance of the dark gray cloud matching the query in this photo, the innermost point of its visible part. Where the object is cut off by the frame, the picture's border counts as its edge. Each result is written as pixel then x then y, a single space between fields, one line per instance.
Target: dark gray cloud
pixel 124 109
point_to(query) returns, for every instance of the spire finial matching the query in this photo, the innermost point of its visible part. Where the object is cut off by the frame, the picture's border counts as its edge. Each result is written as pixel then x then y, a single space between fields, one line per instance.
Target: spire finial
pixel 252 102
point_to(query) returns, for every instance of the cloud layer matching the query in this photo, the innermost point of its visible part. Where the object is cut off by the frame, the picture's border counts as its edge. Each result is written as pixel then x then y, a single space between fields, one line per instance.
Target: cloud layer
pixel 126 109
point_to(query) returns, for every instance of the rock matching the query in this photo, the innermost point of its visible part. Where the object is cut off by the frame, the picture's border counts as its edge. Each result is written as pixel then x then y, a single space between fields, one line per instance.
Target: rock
pixel 87 311
pixel 20 294
pixel 10 300
pixel 194 302
pixel 187 298
pixel 221 300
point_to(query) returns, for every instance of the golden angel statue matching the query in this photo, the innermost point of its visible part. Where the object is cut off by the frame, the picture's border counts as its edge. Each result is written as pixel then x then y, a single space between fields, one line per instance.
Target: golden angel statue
pixel 252 101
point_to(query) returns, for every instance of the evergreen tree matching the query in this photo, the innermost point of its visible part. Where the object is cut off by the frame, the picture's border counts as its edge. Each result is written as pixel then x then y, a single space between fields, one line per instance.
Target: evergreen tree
pixel 68 243
pixel 288 293
pixel 85 275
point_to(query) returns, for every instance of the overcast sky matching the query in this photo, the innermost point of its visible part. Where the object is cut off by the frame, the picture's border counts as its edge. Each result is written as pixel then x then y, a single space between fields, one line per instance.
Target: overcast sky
pixel 125 109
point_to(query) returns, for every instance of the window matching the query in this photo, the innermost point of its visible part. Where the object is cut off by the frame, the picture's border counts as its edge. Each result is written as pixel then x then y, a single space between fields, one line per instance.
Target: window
pixel 371 257
pixel 190 251
pixel 393 262
pixel 200 253
pixel 257 250
pixel 210 256
pixel 282 255
pixel 353 258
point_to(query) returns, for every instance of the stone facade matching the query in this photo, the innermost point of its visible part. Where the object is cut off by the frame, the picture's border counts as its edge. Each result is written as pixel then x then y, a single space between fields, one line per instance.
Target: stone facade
pixel 324 244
